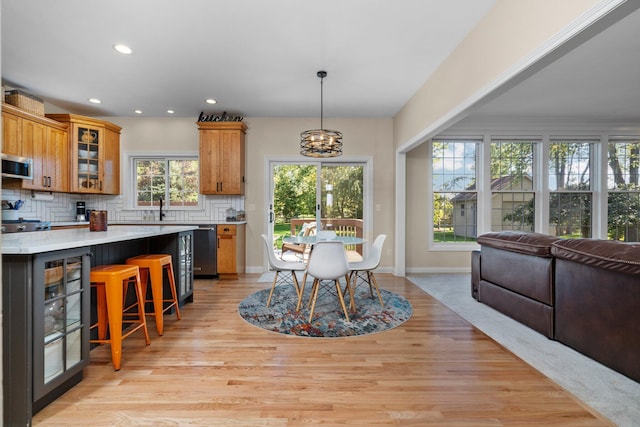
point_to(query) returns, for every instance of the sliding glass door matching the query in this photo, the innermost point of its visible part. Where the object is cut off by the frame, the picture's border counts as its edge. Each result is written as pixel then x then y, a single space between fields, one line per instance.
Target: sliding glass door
pixel 321 195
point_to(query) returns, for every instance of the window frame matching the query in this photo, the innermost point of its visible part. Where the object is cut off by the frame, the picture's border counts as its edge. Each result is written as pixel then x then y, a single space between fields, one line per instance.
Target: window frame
pixel 132 180
pixel 607 187
pixel 592 146
pixel 535 175
pixel 460 245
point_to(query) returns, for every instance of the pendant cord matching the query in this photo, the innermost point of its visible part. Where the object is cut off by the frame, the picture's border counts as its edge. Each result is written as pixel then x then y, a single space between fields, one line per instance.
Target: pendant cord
pixel 321 102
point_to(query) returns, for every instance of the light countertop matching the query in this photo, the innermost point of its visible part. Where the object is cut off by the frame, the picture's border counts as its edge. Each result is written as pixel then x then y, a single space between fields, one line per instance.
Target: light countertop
pixel 54 240
pixel 156 222
pixel 167 222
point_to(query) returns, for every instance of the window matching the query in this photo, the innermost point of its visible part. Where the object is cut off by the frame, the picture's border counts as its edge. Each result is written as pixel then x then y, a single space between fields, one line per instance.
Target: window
pixel 624 191
pixel 454 190
pixel 512 190
pixel 174 179
pixel 570 188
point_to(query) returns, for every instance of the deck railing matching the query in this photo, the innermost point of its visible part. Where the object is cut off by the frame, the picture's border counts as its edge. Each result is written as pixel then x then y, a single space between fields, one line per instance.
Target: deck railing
pixel 342 227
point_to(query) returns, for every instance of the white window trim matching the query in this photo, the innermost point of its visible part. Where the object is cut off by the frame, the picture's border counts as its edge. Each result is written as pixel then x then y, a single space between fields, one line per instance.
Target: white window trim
pixel 600 134
pixel 453 246
pixel 129 178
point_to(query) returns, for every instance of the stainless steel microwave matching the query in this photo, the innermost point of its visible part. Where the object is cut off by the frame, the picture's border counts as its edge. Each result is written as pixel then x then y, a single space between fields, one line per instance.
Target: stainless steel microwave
pixel 17 167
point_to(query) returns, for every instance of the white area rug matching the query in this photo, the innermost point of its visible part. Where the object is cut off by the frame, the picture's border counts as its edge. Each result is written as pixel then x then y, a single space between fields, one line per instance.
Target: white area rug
pixel 608 392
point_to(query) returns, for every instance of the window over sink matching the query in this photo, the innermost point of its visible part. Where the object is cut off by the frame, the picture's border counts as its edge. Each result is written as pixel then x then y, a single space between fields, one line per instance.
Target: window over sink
pixel 174 180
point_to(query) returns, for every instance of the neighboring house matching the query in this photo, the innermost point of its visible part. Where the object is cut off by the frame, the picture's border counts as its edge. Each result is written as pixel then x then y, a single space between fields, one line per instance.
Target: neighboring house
pixel 507 194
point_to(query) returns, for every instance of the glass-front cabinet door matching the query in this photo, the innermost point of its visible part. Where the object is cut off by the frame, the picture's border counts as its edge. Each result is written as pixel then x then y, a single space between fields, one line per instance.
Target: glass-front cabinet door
pixel 88 156
pixel 185 280
pixel 61 318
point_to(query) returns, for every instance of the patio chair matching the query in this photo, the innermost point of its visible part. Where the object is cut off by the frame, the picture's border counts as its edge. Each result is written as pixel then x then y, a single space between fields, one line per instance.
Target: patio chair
pixel 301 250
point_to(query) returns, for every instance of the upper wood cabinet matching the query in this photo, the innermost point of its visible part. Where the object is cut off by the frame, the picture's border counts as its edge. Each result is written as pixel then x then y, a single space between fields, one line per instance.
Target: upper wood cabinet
pixel 94 150
pixel 43 140
pixel 11 131
pixel 222 157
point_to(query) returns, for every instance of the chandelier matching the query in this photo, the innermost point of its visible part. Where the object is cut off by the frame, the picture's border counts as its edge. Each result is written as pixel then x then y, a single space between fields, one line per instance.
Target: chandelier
pixel 321 142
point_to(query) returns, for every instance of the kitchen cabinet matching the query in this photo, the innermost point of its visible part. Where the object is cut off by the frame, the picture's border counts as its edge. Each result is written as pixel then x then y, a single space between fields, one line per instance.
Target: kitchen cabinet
pixel 46 299
pixel 11 132
pixel 94 151
pixel 44 141
pixel 230 250
pixel 222 157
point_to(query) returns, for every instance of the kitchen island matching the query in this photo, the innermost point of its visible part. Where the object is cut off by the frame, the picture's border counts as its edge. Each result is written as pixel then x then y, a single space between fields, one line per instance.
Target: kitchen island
pixel 48 307
pixel 54 240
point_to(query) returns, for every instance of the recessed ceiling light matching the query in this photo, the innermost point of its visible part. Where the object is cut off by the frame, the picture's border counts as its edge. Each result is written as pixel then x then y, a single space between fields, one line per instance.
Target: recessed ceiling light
pixel 137 111
pixel 123 49
pixel 170 111
pixel 210 101
pixel 95 101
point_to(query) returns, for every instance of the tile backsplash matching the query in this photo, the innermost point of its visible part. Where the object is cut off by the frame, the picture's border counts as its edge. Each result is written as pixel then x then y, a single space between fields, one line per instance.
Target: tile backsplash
pixel 62 207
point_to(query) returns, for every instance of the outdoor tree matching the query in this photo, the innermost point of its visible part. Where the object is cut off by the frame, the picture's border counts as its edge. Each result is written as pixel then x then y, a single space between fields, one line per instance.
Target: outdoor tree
pixel 295 191
pixel 624 198
pixel 294 188
pixel 347 191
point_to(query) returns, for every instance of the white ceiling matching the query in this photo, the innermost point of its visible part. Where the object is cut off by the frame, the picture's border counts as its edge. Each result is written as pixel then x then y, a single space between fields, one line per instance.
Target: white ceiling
pixel 258 58
pixel 597 81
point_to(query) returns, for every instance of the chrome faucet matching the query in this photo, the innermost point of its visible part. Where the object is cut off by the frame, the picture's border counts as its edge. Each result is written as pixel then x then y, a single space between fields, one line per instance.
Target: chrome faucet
pixel 161 214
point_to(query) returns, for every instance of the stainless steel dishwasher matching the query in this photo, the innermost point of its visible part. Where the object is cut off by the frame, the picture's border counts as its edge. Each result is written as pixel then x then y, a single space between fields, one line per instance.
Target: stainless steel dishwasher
pixel 204 250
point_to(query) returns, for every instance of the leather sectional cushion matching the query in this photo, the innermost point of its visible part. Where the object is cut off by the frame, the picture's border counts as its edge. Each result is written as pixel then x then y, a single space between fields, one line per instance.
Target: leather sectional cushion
pixel 534 314
pixel 596 313
pixel 530 276
pixel 607 254
pixel 523 242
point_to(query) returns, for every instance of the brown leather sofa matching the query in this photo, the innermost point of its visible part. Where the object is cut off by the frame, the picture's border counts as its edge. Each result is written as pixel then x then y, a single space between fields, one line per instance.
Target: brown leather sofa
pixel 597 302
pixel 584 293
pixel 514 273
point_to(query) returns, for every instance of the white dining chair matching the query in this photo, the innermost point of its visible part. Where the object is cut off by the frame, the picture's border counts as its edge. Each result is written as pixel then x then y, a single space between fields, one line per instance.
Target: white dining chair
pixel 286 268
pixel 328 261
pixel 363 270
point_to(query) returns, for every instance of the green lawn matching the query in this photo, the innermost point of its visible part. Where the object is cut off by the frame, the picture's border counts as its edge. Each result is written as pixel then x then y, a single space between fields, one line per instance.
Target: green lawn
pixel 448 236
pixel 280 230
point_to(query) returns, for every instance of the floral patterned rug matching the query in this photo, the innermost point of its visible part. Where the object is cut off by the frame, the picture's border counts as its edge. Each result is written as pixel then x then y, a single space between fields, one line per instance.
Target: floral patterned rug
pixel 328 317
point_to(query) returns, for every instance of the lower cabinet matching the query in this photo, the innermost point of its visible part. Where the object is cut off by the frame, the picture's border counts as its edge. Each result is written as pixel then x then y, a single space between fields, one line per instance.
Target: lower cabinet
pixel 230 251
pixel 46 315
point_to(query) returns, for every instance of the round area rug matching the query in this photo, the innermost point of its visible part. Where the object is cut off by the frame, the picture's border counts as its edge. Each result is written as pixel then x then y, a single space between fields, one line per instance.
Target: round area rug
pixel 328 317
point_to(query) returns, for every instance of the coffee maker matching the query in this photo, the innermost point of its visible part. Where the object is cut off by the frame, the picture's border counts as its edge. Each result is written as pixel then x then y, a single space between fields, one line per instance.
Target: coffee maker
pixel 81 211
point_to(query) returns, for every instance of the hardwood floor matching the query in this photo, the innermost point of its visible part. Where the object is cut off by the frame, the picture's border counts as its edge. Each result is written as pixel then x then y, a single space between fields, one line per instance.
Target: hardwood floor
pixel 214 369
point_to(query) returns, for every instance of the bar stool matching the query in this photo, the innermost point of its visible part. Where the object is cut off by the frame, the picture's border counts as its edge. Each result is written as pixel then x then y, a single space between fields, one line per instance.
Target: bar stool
pixel 112 283
pixel 154 265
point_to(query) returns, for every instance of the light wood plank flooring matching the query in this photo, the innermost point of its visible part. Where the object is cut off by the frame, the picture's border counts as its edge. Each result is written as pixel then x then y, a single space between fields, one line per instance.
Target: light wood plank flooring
pixel 214 369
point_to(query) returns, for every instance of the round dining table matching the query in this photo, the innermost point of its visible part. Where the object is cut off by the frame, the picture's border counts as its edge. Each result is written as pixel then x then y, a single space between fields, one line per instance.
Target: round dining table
pixel 311 240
